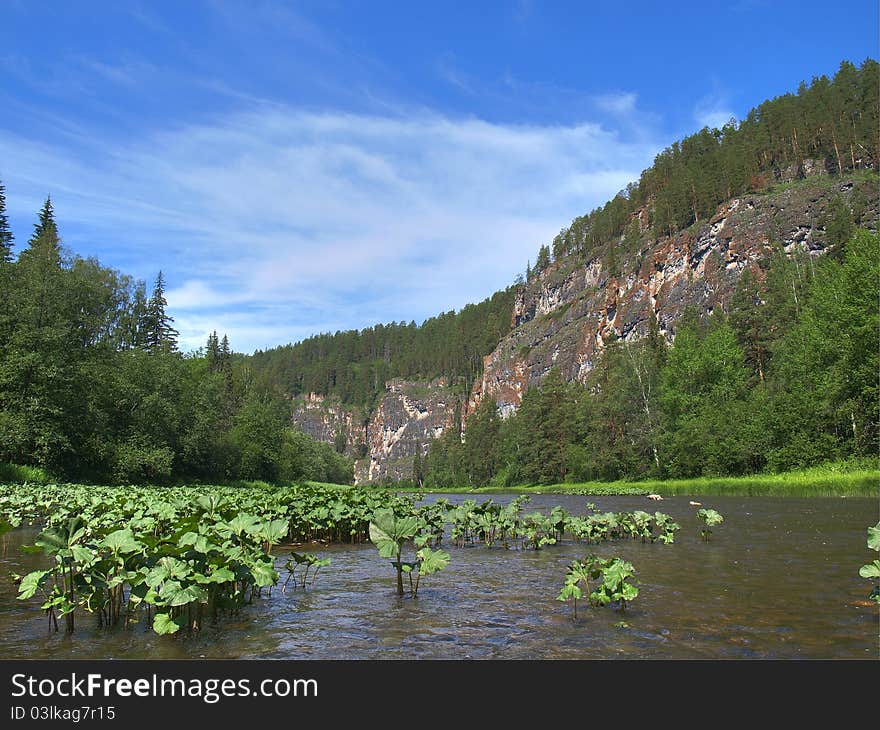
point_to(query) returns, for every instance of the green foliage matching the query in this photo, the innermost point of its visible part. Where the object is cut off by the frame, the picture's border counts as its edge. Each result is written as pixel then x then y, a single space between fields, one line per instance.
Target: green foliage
pixel 871 571
pixel 183 556
pixel 830 122
pixel 615 582
pixel 616 586
pixel 787 381
pixel 710 518
pixel 23 474
pixel 306 563
pixel 354 365
pixel 390 531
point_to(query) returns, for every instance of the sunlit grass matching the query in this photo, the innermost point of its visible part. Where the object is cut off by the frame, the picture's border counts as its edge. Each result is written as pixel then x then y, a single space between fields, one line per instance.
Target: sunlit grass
pixel 851 479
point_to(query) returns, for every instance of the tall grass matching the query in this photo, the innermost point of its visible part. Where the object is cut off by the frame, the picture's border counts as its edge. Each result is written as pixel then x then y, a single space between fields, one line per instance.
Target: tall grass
pixel 17 474
pixel 853 478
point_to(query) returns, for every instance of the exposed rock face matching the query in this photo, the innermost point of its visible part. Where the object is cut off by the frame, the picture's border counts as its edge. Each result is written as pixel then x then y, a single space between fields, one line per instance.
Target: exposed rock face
pixel 408 418
pixel 323 418
pixel 565 316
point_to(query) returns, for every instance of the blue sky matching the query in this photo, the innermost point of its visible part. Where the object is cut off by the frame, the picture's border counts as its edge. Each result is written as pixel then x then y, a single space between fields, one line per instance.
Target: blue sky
pixel 296 168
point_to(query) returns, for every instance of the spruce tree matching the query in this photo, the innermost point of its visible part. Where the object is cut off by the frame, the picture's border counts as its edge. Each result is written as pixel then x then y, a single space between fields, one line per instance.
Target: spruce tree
pixel 6 236
pixel 225 357
pixel 45 229
pixel 213 352
pixel 160 336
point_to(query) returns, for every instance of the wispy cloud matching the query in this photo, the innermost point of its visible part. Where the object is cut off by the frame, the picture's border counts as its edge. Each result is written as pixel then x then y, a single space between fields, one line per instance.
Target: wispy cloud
pixel 713 111
pixel 448 71
pixel 622 103
pixel 276 223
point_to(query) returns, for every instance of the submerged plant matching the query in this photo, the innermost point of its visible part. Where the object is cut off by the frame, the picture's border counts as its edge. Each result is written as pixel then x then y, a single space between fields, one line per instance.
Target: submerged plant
pixel 307 562
pixel 389 532
pixel 428 561
pixel 871 571
pixel 616 586
pixel 666 526
pixel 710 518
pixel 579 572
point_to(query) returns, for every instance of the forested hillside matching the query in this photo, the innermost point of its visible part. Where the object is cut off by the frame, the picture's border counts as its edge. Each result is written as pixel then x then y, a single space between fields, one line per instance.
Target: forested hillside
pixel 92 386
pixel 354 365
pixel 786 379
pixel 832 122
pixel 780 374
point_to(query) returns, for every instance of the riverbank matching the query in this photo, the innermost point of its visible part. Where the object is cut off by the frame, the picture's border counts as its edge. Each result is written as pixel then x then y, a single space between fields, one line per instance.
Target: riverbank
pixel 834 480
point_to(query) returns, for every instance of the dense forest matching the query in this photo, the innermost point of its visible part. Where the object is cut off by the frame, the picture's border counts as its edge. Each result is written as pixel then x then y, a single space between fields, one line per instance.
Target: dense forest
pixel 832 122
pixel 93 388
pixel 355 364
pixel 788 378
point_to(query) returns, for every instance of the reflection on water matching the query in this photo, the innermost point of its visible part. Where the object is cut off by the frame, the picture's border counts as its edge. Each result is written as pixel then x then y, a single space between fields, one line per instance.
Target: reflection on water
pixel 778 580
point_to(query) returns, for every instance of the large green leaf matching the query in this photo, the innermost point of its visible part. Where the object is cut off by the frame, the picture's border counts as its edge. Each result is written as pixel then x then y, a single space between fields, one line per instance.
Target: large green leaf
pixel 222 575
pixel 122 542
pixel 162 624
pixel 432 560
pixel 243 523
pixel 175 594
pixel 871 570
pixel 710 517
pixel 874 537
pixel 616 573
pixel 273 531
pixel 388 531
pixel 264 574
pixel 83 555
pixel 628 592
pixel 31 583
pixel 570 590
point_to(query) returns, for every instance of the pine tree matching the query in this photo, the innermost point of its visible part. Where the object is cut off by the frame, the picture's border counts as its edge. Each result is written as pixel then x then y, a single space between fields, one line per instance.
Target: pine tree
pixel 543 260
pixel 838 222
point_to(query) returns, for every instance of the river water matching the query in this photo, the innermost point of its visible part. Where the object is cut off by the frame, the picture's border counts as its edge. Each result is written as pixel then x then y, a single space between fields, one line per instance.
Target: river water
pixel 779 579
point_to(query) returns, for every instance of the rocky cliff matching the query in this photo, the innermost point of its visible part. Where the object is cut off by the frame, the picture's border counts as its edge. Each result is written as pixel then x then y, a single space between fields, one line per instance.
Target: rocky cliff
pixel 325 419
pixel 564 315
pixel 407 418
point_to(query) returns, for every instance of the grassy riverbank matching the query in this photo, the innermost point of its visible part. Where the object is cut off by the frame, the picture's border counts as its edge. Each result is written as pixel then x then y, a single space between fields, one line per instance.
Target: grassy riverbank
pixel 831 480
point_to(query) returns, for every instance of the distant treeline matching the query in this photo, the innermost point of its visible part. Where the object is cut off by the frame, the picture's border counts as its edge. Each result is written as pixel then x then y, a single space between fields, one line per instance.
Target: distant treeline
pixel 787 379
pixel 833 122
pixel 354 365
pixel 93 388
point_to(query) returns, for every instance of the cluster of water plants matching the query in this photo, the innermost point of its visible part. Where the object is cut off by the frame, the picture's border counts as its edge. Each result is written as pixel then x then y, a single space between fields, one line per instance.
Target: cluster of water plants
pixel 308 565
pixel 613 579
pixel 492 523
pixel 175 557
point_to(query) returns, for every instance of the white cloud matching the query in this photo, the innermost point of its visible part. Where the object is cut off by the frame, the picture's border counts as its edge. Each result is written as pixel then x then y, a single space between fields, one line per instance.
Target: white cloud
pixel 712 111
pixel 621 103
pixel 277 223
